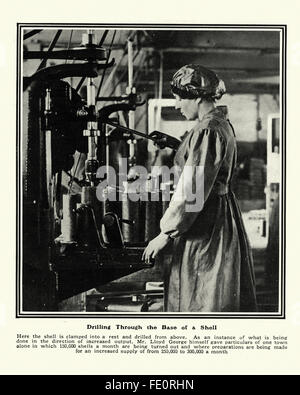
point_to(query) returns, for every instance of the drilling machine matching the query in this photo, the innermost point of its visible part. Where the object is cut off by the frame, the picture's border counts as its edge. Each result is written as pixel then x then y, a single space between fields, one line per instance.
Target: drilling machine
pixel 71 243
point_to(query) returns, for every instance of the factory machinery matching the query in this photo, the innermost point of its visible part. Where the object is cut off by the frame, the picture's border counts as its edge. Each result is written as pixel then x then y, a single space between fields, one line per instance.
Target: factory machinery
pixel 75 242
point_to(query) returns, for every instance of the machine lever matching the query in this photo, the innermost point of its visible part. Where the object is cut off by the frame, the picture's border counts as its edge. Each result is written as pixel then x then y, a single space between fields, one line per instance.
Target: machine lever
pixel 161 139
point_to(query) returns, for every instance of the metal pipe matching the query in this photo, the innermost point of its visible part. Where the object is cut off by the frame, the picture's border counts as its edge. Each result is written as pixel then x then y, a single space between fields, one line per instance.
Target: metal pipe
pixel 160 90
pixel 92 132
pixel 91 100
pixel 130 89
pixel 51 46
pixel 68 224
pixel 107 152
pixel 110 77
pixel 91 147
pixel 103 38
pixel 130 63
pixel 31 34
pixel 91 97
pixel 48 148
pixel 107 60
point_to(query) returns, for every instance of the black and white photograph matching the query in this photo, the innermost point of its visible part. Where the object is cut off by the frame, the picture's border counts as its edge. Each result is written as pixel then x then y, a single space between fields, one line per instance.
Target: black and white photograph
pixel 151 170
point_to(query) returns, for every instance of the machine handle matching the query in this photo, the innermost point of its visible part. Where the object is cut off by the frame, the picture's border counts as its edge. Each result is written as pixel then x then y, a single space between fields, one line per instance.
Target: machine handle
pixel 161 139
pixel 164 140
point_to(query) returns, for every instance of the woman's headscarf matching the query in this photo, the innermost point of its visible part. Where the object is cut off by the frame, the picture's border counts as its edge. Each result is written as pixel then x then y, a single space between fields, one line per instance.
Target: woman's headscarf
pixel 192 81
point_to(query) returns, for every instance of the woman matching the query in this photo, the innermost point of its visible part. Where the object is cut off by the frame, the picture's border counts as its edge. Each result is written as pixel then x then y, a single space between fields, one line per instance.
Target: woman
pixel 211 268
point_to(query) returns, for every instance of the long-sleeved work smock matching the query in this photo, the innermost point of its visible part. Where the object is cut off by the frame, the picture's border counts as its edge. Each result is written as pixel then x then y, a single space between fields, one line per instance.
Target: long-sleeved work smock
pixel 212 266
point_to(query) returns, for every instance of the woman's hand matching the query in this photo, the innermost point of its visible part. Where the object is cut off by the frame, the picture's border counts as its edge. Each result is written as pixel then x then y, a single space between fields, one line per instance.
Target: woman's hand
pixel 155 246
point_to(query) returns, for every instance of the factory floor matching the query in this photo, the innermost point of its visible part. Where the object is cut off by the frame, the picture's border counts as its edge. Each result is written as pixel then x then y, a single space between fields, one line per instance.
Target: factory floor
pixel 267 297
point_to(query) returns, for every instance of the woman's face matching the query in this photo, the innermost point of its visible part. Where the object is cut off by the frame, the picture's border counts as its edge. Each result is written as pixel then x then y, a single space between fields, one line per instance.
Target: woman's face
pixel 188 107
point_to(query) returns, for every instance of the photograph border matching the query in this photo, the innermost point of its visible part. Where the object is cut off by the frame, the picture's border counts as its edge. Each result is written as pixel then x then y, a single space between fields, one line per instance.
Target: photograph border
pixel 163 315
